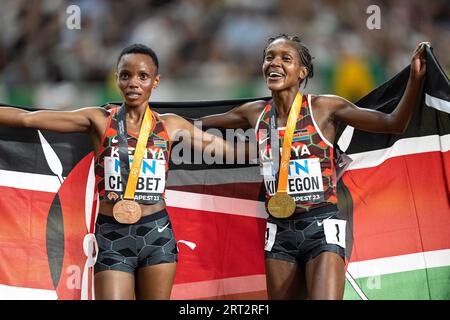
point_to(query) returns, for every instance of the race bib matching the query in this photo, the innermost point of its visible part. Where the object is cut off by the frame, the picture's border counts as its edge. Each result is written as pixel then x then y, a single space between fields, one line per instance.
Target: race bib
pixel 305 182
pixel 151 181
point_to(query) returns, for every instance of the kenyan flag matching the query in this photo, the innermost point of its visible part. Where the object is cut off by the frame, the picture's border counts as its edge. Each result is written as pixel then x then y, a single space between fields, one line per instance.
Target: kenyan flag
pixel 47 209
pixel 397 196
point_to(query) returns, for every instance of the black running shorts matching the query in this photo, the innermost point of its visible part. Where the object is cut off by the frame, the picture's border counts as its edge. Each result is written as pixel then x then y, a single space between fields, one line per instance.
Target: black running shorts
pixel 303 237
pixel 127 247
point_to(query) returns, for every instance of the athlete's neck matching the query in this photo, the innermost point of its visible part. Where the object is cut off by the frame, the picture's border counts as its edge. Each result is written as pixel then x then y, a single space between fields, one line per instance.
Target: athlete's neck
pixel 135 114
pixel 284 100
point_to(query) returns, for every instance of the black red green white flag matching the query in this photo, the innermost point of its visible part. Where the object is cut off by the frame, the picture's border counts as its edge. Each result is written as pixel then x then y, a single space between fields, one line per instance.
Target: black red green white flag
pixel 395 194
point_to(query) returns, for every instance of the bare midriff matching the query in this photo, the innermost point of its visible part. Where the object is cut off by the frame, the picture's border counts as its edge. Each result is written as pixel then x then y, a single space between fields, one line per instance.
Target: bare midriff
pixel 106 208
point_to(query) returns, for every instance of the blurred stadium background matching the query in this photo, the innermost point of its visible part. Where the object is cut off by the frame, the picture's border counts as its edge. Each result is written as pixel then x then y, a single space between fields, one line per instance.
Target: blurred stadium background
pixel 207 49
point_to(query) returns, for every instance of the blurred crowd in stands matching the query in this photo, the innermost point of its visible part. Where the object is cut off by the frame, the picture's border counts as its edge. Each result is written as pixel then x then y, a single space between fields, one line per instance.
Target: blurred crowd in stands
pixel 217 41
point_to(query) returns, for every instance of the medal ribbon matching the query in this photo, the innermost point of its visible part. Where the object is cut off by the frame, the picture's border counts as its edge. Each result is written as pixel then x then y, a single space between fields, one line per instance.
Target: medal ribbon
pixel 287 143
pixel 130 177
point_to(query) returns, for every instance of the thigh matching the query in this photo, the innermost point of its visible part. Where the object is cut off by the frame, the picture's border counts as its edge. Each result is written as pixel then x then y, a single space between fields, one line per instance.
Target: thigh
pixel 325 277
pixel 285 280
pixel 155 282
pixel 114 285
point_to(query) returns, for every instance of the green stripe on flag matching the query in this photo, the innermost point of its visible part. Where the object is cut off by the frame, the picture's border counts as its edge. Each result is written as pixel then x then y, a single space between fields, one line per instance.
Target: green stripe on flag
pixel 424 284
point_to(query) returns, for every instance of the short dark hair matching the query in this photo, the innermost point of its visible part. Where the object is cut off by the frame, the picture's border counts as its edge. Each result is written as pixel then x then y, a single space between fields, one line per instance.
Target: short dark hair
pixel 303 52
pixel 142 49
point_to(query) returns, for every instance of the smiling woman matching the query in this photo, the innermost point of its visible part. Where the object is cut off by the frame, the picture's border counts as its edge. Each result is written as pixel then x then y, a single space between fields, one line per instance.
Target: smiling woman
pixel 137 248
pixel 305 239
pixel 273 74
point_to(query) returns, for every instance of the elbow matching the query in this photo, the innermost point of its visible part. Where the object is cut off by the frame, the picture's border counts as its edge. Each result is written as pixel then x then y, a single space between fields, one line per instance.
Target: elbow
pixel 401 128
pixel 25 122
pixel 396 129
pixel 396 126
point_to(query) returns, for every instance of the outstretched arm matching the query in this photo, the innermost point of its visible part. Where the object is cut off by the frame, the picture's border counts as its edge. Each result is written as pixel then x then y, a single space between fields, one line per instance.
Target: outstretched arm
pixel 179 127
pixel 81 120
pixel 375 121
pixel 244 116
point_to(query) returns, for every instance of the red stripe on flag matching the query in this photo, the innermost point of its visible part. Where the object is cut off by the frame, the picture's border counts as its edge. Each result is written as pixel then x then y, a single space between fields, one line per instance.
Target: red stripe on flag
pixel 226 245
pixel 401 206
pixel 23 253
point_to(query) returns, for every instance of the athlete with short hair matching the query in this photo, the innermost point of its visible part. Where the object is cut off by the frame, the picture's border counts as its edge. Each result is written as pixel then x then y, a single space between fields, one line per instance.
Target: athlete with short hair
pixel 305 234
pixel 137 248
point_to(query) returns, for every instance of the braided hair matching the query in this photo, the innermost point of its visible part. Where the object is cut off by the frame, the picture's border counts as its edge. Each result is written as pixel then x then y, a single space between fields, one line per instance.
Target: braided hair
pixel 303 52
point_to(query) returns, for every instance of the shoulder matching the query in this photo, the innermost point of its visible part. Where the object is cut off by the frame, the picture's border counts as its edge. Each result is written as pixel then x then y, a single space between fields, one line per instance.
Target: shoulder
pixel 169 117
pixel 257 105
pixel 94 113
pixel 331 103
pixel 172 120
pixel 252 111
pixel 326 100
pixel 110 107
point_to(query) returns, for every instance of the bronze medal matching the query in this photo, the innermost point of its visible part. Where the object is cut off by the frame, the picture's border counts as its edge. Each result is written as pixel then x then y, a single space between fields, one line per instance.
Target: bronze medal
pixel 281 205
pixel 127 211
